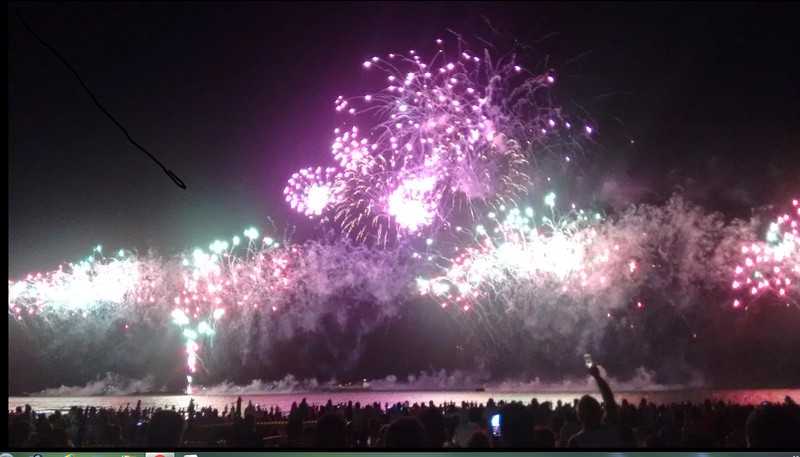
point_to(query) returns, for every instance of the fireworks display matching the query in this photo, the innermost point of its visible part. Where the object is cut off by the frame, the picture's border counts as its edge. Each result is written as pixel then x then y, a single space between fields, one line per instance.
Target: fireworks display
pixel 447 136
pixel 232 281
pixel 571 255
pixel 771 267
pixel 533 267
pixel 199 286
pixel 443 134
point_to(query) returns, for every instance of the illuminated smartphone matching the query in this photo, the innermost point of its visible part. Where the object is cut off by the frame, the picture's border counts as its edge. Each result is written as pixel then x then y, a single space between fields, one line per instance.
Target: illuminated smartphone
pixel 587 358
pixel 494 422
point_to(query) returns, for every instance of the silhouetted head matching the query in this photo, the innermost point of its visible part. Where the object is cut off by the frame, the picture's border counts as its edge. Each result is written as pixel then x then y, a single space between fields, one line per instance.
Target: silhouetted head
pixel 43 426
pixel 432 421
pixel 772 426
pixel 331 432
pixel 475 415
pixel 590 413
pixel 516 426
pixel 165 430
pixel 405 432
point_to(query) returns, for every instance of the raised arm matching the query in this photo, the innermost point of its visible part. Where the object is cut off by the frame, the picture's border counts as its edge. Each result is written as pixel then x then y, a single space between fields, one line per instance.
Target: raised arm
pixel 608 395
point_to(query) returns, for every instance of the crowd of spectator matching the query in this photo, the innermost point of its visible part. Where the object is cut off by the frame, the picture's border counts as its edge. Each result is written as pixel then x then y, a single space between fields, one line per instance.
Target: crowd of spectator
pixel 584 423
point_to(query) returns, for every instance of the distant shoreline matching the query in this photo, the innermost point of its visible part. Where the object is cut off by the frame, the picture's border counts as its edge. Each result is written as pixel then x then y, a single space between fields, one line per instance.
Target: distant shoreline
pixel 486 390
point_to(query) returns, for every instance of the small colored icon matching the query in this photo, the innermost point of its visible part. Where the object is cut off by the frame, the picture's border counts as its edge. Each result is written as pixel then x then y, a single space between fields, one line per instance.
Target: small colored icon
pixel 159 454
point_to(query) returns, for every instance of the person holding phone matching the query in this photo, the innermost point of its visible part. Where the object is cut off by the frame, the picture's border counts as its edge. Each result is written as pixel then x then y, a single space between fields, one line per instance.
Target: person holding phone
pixel 599 428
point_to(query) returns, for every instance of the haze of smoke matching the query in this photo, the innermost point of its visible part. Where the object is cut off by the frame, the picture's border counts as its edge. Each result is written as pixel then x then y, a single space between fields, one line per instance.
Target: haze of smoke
pixel 111 384
pixel 643 380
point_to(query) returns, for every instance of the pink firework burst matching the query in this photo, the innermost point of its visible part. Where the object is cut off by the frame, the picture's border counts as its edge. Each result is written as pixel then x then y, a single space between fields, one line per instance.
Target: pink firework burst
pixel 771 268
pixel 413 203
pixel 311 190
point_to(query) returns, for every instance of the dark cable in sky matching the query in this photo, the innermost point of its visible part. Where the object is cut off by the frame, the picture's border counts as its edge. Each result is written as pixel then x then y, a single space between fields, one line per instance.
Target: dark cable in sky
pixel 169 172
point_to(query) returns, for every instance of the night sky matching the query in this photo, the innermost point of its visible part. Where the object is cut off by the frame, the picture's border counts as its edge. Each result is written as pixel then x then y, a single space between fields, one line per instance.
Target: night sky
pixel 234 98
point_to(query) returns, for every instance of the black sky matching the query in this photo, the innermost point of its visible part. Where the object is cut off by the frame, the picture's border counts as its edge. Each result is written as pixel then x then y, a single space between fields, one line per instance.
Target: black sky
pixel 235 97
